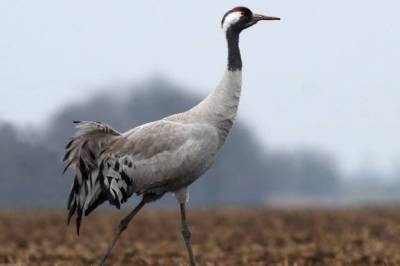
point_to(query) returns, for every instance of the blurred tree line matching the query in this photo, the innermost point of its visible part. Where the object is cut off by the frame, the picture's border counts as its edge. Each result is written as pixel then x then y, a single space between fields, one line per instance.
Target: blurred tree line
pixel 245 172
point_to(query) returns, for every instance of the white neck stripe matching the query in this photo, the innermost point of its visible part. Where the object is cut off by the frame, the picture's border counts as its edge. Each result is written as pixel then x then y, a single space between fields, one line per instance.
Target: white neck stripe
pixel 231 19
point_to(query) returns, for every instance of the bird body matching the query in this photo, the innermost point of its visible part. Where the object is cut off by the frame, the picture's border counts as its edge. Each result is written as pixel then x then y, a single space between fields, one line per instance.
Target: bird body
pixel 158 157
pixel 161 156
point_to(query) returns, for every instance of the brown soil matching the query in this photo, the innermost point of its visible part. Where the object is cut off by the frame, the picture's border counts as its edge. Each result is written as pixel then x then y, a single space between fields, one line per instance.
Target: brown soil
pixel 220 237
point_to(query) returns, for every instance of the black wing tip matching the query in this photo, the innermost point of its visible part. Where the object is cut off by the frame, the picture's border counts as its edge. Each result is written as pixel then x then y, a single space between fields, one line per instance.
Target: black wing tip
pixel 66 156
pixel 78 221
pixel 69 143
pixel 69 220
pixel 71 210
pixel 66 167
pixel 76 121
pixel 65 170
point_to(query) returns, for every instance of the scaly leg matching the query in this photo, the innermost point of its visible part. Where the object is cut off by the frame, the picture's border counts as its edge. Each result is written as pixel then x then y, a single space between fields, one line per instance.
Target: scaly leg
pixel 122 226
pixel 186 234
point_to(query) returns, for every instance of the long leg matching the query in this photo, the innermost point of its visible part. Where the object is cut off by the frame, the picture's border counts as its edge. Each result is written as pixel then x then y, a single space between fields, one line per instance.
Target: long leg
pixel 186 234
pixel 122 226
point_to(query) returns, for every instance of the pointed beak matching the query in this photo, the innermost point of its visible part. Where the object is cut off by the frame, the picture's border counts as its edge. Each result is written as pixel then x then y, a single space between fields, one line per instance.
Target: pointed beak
pixel 257 17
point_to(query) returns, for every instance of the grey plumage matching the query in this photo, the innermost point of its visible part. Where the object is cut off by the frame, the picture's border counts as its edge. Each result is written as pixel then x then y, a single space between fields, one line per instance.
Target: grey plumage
pixel 158 157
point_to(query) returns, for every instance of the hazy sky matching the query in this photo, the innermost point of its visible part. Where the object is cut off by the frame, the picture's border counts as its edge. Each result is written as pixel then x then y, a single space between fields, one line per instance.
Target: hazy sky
pixel 325 76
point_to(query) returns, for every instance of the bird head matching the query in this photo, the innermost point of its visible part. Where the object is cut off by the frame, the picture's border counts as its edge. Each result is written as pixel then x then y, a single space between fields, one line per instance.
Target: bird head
pixel 240 18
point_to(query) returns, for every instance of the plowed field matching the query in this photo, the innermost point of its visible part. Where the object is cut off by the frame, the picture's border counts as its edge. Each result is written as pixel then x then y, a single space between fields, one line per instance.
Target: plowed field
pixel 219 236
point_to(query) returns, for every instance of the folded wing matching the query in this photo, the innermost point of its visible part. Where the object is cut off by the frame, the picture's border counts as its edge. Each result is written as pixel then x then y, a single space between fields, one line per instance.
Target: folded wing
pixel 154 158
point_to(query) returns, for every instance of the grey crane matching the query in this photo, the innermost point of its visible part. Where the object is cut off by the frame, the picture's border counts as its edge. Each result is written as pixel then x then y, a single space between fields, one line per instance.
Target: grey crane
pixel 158 157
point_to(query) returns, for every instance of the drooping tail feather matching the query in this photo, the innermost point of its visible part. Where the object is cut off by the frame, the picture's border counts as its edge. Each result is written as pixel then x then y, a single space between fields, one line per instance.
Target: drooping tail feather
pixel 82 155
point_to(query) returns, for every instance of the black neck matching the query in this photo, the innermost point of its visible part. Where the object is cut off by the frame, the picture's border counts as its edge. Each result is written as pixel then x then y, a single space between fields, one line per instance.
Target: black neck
pixel 234 59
